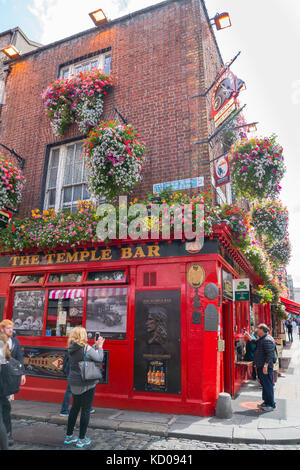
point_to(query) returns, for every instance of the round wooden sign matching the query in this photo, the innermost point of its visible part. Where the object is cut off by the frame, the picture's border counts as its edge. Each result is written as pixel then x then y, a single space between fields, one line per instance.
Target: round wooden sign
pixel 195 275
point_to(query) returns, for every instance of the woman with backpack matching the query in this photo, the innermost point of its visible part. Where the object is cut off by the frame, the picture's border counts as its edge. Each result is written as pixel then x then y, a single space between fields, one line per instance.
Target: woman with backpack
pixel 83 391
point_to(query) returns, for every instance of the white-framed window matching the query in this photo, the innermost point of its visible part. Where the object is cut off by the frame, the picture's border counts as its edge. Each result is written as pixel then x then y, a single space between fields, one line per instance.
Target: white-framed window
pixel 66 178
pixel 103 62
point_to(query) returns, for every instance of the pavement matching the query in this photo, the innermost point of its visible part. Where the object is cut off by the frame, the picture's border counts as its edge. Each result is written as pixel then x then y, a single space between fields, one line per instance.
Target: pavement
pixel 248 425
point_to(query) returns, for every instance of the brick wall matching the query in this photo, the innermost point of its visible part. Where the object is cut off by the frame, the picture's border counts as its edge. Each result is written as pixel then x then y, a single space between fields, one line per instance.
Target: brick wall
pixel 162 57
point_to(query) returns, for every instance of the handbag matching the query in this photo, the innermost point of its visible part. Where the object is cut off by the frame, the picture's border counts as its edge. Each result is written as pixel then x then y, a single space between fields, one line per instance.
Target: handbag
pixel 89 370
pixel 10 377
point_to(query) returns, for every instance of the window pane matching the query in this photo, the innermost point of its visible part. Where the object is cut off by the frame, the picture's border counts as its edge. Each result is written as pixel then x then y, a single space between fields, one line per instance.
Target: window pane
pixel 67 195
pixel 65 73
pixel 106 276
pixel 77 196
pixel 65 277
pixel 28 312
pixel 107 312
pixel 107 65
pixel 52 178
pixel 30 279
pixel 70 155
pixel 65 311
pixel 86 194
pixel 52 197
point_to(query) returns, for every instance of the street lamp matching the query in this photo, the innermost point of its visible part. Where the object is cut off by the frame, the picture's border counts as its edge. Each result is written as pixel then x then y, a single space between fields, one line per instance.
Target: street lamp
pixel 252 127
pixel 222 21
pixel 98 17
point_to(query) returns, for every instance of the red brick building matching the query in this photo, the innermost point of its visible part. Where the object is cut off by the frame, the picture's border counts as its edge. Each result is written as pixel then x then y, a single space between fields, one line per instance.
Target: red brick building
pixel 163 57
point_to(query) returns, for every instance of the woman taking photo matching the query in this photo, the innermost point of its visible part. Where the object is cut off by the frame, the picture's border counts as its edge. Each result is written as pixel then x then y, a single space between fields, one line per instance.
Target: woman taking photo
pixel 82 391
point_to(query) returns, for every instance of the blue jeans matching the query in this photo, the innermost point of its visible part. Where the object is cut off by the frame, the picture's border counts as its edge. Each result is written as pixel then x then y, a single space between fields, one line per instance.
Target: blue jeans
pixel 67 399
pixel 267 384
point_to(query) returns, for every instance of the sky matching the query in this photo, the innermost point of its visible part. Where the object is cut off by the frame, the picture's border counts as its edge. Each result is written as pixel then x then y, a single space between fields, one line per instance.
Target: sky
pixel 265 31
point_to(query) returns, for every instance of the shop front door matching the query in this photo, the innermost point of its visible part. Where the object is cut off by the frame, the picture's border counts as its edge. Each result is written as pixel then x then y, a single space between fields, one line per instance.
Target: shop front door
pixel 229 352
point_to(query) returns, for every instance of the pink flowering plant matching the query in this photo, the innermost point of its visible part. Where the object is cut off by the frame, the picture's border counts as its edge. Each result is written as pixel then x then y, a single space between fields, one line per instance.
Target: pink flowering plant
pixel 11 184
pixel 114 157
pixel 280 252
pixel 78 99
pixel 257 167
pixel 270 220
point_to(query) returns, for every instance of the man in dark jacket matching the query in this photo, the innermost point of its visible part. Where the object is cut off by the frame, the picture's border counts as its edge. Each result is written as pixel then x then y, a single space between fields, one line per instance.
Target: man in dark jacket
pixel 264 361
pixel 6 327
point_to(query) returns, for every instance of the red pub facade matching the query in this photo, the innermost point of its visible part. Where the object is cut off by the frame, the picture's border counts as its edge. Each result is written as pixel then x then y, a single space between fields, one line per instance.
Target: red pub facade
pixel 174 334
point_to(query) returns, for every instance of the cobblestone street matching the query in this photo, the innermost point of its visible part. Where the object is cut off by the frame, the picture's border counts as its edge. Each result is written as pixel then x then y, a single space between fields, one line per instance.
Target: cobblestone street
pixel 120 441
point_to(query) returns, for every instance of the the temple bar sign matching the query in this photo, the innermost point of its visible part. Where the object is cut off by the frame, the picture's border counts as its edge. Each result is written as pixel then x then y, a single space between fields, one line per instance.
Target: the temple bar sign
pixel 106 254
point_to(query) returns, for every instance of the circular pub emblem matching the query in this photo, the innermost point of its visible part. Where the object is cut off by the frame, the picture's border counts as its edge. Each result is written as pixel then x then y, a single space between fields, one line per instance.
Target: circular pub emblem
pixel 195 275
pixel 222 167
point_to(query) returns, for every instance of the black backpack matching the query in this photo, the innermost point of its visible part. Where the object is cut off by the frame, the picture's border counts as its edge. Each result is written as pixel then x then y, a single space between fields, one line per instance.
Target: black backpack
pixel 10 377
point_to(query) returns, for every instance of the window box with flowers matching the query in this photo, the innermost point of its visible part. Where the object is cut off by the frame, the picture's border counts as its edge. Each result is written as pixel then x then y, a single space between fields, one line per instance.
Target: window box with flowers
pixel 78 99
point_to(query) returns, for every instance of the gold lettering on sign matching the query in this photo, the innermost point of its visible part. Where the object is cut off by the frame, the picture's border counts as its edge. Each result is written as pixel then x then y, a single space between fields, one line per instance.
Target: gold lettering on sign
pixel 153 251
pixel 35 260
pixel 139 253
pixel 126 253
pixel 72 258
pixel 93 257
pixel 50 259
pixel 106 255
pixel 61 258
pixel 84 255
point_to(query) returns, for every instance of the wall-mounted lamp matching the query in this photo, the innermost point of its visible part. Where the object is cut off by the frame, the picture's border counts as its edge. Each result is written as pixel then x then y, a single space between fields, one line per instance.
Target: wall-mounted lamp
pixel 222 21
pixel 252 127
pixel 11 52
pixel 98 17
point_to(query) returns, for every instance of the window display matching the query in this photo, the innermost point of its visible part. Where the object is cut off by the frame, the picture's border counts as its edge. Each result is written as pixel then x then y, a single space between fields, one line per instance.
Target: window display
pixel 106 276
pixel 65 277
pixel 65 311
pixel 30 279
pixel 28 312
pixel 107 312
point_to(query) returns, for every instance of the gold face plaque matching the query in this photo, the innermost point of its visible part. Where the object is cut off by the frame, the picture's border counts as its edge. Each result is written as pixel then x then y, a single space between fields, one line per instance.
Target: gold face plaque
pixel 195 275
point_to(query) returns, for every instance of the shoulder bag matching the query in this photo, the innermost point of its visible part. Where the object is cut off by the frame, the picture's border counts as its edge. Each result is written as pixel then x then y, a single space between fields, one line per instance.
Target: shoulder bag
pixel 89 370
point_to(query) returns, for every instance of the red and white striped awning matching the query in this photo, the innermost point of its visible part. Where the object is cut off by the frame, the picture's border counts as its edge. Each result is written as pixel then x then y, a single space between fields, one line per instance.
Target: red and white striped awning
pixel 107 291
pixel 66 294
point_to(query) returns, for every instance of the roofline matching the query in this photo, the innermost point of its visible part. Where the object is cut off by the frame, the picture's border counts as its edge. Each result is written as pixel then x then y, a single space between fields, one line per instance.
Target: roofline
pixel 19 30
pixel 108 25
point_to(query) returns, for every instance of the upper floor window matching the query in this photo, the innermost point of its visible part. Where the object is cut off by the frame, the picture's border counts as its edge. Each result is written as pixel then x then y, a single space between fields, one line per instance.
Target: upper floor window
pixel 66 178
pixel 102 62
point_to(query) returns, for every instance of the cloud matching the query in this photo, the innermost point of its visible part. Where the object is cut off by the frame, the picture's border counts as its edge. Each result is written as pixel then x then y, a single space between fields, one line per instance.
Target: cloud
pixel 59 19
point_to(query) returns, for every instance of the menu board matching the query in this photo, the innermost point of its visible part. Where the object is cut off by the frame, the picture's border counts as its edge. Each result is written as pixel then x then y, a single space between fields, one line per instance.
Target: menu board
pixel 28 312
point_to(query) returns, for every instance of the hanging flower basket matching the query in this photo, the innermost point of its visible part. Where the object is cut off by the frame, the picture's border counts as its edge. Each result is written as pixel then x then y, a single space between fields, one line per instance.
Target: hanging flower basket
pixel 11 184
pixel 79 99
pixel 238 222
pixel 280 252
pixel 257 168
pixel 114 159
pixel 270 219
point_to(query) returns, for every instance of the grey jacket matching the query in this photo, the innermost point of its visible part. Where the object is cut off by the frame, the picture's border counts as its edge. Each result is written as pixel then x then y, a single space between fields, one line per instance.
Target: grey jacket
pixel 76 354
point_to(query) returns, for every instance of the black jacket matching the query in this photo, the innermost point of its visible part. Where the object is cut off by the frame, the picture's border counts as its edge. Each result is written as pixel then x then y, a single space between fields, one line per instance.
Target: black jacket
pixel 264 352
pixel 16 350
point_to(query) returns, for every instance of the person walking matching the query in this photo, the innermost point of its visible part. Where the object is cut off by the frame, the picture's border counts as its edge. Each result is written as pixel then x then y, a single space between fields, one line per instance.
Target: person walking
pixel 4 356
pixel 264 359
pixel 82 391
pixel 7 327
pixel 289 328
